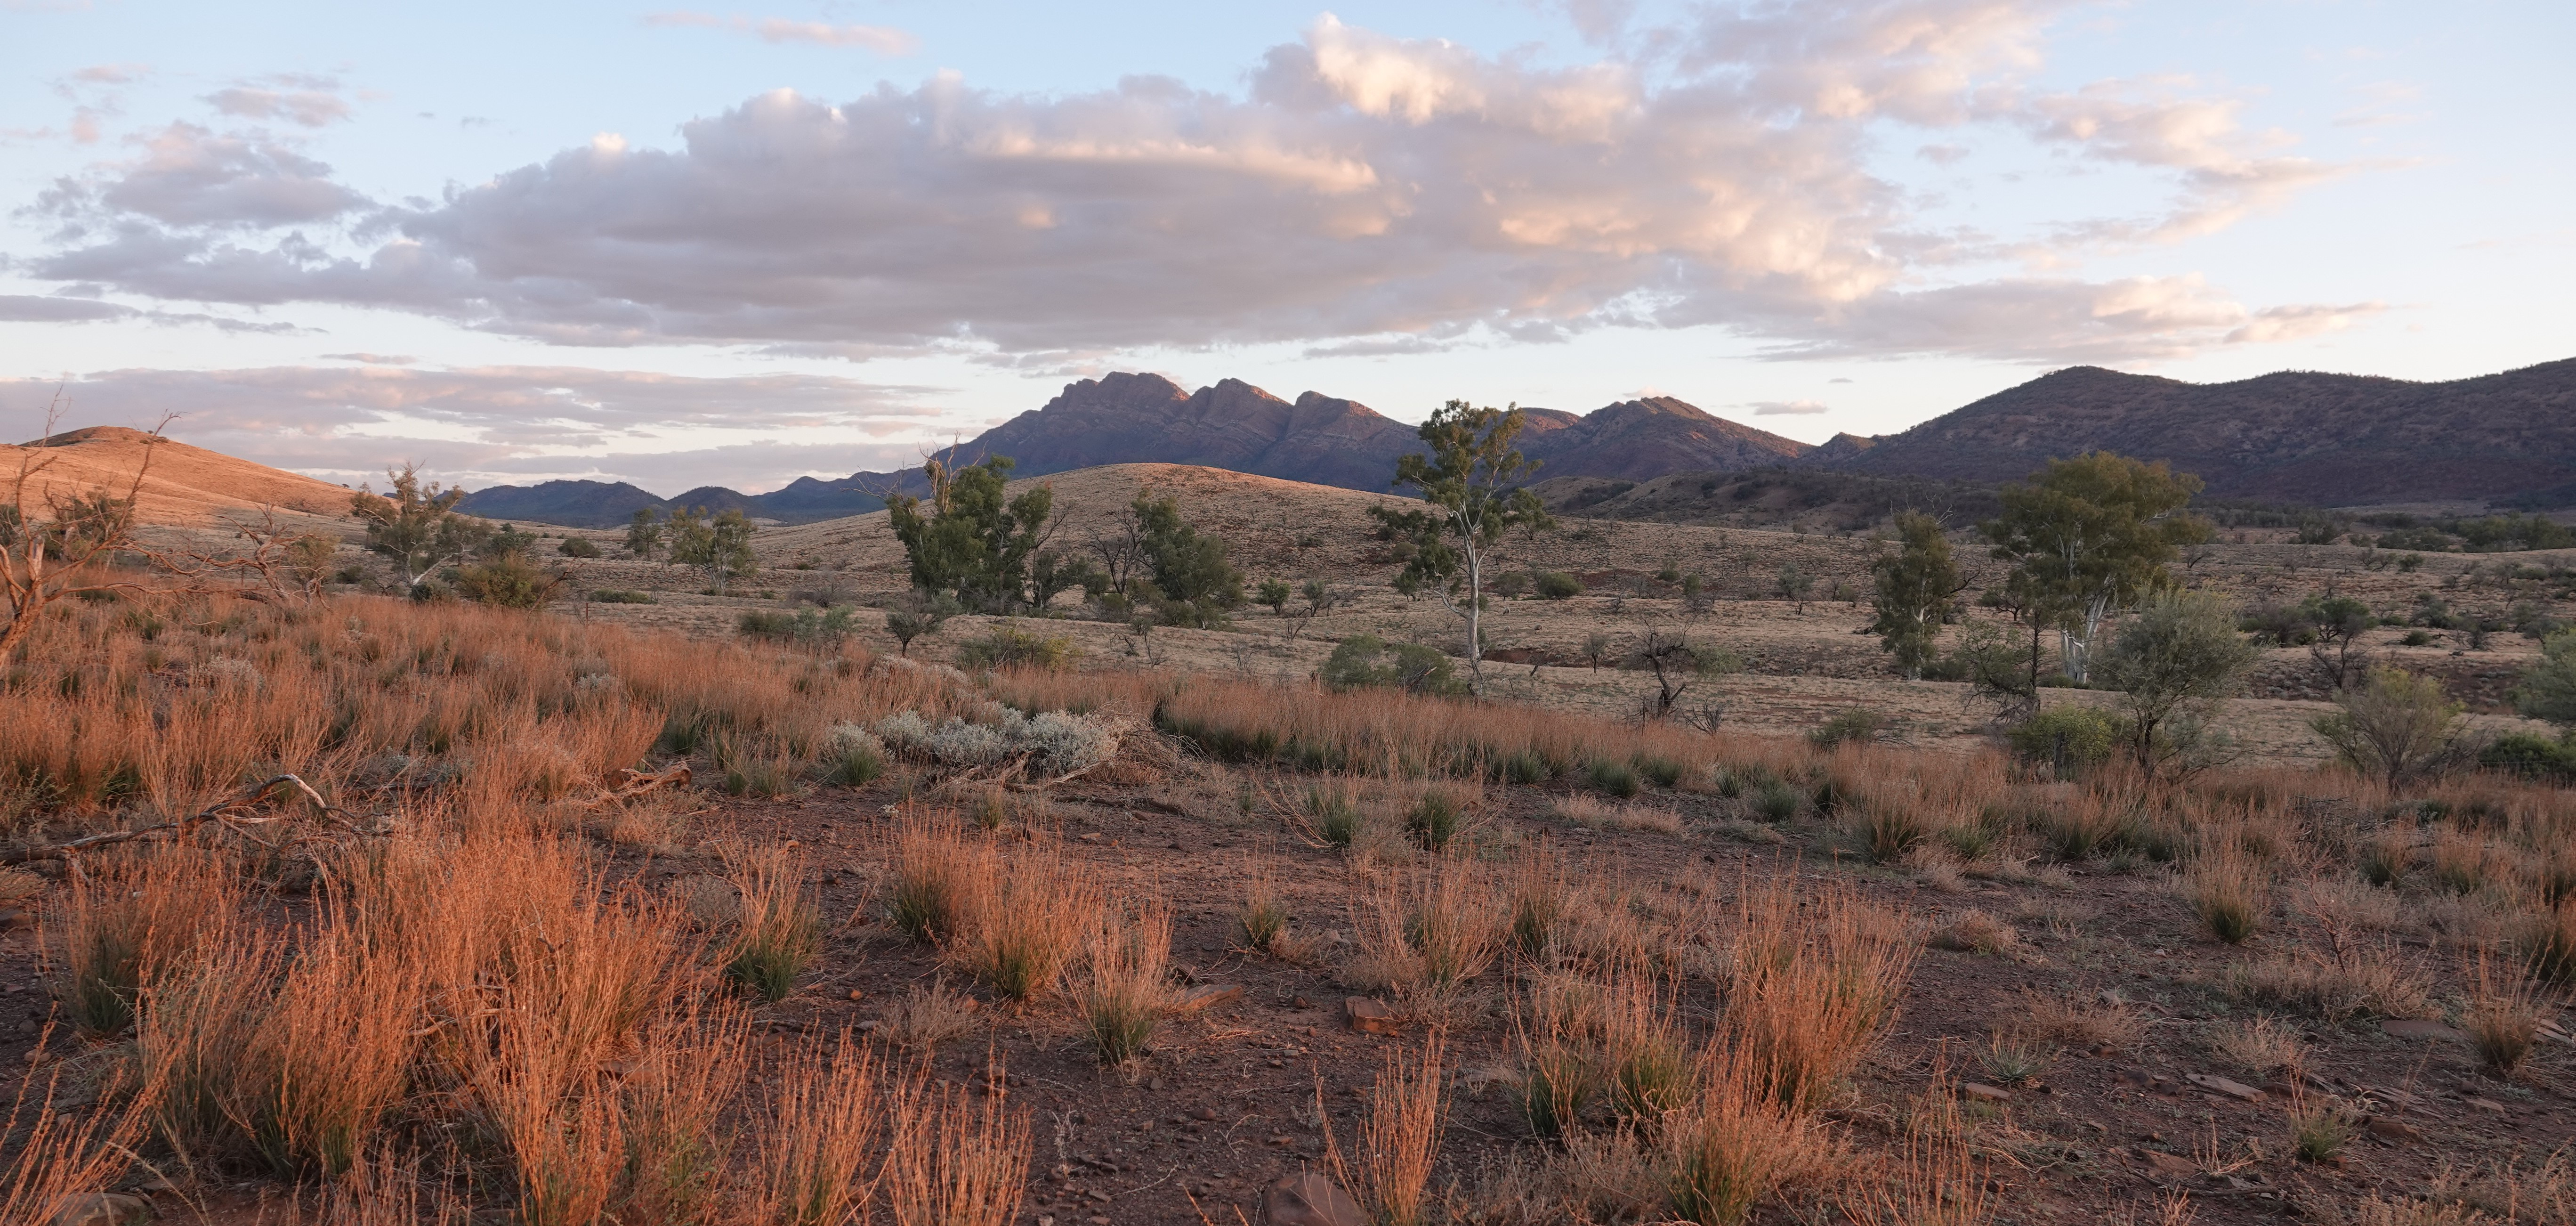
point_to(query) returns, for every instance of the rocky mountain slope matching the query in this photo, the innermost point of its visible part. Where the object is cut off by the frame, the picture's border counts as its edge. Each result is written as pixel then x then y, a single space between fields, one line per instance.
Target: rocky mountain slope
pixel 2295 436
pixel 1146 418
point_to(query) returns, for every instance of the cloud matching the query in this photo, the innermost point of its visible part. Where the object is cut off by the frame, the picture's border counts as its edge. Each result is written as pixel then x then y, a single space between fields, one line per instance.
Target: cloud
pixel 1800 408
pixel 311 108
pixel 372 359
pixel 494 424
pixel 1364 192
pixel 193 177
pixel 22 308
pixel 64 309
pixel 884 40
pixel 2044 320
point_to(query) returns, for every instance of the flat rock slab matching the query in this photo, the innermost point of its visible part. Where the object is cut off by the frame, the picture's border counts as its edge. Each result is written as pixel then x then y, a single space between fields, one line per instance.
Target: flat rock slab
pixel 1372 1016
pixel 2220 1085
pixel 2405 1028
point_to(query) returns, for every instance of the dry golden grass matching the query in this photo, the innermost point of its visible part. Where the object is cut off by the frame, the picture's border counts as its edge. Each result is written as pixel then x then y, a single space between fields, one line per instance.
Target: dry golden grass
pixel 824 1112
pixel 1123 994
pixel 2261 1045
pixel 956 1159
pixel 1738 1143
pixel 2502 1020
pixel 1019 930
pixel 1398 1140
pixel 1811 994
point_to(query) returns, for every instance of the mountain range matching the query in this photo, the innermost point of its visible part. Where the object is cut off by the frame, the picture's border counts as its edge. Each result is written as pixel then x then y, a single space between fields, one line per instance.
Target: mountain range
pixel 2294 436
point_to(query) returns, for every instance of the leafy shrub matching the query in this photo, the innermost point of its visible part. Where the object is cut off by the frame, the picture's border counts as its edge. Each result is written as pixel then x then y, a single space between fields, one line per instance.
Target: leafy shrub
pixel 577 547
pixel 1008 646
pixel 508 580
pixel 1557 585
pixel 811 627
pixel 611 595
pixel 1511 585
pixel 1365 661
pixel 1054 741
pixel 1777 801
pixel 2076 738
pixel 2532 756
pixel 1854 724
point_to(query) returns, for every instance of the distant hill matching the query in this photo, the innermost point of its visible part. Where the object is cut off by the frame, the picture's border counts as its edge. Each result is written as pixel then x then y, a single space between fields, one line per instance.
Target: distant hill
pixel 184 487
pixel 2296 436
pixel 573 504
pixel 1146 418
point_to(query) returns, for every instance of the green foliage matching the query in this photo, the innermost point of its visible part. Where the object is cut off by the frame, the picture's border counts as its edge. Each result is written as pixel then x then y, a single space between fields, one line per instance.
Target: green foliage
pixel 1614 777
pixel 507 540
pixel 614 595
pixel 2532 756
pixel 578 547
pixel 2174 660
pixel 1512 585
pixel 1186 567
pixel 1275 595
pixel 643 533
pixel 1335 819
pixel 1365 661
pixel 1851 724
pixel 1524 768
pixel 1793 583
pixel 416 526
pixel 857 765
pixel 509 581
pixel 1008 646
pixel 1777 801
pixel 2395 725
pixel 1557 585
pixel 968 541
pixel 805 627
pixel 1661 771
pixel 1914 591
pixel 1470 482
pixel 917 615
pixel 2070 738
pixel 720 546
pixel 2548 690
pixel 1435 819
pixel 2088 535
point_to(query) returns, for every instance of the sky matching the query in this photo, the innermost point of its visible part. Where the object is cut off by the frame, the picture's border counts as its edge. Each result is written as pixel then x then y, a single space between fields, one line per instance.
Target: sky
pixel 680 246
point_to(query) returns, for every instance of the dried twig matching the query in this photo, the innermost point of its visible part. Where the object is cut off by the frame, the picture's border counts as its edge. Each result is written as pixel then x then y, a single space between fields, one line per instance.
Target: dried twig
pixel 223 812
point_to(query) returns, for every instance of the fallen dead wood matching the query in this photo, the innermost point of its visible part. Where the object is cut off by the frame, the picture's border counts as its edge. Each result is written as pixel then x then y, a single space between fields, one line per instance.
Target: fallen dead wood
pixel 632 783
pixel 231 812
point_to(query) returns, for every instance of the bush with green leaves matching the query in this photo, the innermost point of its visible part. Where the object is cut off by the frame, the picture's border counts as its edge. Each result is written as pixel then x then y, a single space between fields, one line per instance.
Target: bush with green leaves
pixel 1008 646
pixel 2548 690
pixel 1557 585
pixel 578 547
pixel 804 627
pixel 510 581
pixel 613 595
pixel 1365 661
pixel 1852 724
pixel 2069 739
pixel 2397 726
pixel 2176 659
pixel 1512 585
pixel 2532 756
pixel 968 540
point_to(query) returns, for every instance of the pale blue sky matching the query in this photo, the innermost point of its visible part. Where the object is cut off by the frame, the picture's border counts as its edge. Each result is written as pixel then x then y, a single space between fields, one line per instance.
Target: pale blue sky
pixel 678 245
